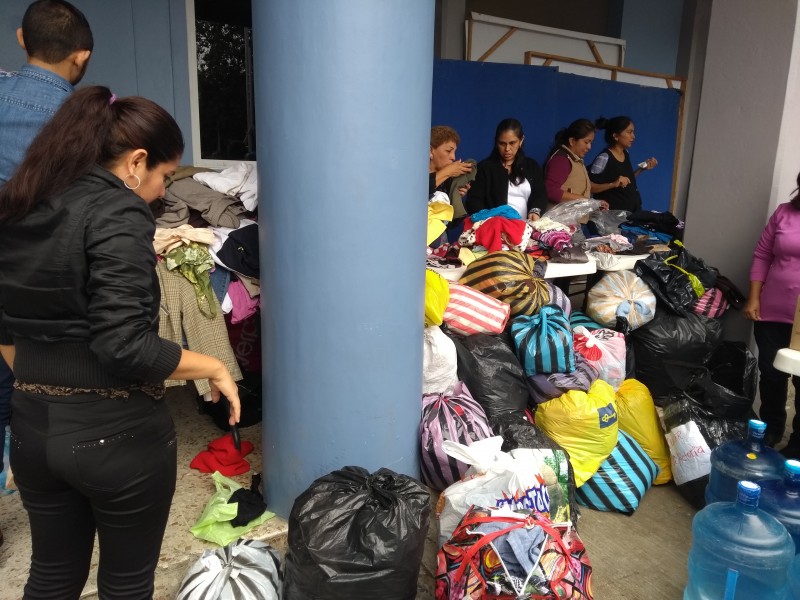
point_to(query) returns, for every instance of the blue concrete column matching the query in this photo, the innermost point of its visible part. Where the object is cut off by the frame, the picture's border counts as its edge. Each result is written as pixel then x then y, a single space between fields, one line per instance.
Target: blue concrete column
pixel 343 107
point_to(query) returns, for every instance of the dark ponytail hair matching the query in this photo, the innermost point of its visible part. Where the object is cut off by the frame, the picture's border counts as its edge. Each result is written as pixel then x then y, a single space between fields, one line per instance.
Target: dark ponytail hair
pixel 578 129
pixel 92 127
pixel 517 172
pixel 795 201
pixel 613 127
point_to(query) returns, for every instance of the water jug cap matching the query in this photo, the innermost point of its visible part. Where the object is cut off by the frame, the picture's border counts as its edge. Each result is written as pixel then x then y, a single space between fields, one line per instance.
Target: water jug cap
pixel 756 428
pixel 748 493
pixel 792 468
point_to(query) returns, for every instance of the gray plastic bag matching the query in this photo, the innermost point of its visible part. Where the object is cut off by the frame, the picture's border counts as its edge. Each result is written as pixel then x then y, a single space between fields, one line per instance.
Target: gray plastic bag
pixel 242 570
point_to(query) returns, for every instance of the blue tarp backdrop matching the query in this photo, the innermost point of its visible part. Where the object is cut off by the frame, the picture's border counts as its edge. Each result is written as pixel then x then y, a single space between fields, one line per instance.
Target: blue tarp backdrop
pixel 474 97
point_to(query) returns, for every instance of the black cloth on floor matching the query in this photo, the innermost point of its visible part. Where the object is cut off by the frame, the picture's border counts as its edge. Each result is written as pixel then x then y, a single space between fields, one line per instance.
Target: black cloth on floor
pixel 240 251
pixel 251 506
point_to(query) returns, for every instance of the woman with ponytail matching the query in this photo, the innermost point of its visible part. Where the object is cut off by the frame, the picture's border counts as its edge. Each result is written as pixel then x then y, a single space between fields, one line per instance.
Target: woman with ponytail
pixel 612 174
pixel 93 444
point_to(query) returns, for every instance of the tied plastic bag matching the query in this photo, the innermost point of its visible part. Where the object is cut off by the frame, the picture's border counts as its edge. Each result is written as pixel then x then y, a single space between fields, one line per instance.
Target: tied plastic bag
pixel 605 350
pixel 639 419
pixel 607 222
pixel 214 524
pixel 470 311
pixel 357 536
pixel 621 294
pixel 572 213
pixel 245 570
pixel 544 341
pixel 584 424
pixel 521 480
pixel 437 295
pixel 439 362
pixel 490 369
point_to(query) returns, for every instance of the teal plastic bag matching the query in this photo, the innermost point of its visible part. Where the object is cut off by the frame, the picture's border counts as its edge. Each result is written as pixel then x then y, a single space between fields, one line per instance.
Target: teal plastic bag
pixel 214 524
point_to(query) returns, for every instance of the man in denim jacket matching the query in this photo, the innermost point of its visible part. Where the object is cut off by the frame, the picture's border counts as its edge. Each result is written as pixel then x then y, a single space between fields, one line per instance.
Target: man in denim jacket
pixel 58 41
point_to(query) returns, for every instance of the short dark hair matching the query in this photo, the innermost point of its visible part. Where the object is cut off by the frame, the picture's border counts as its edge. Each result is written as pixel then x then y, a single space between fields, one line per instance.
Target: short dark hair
pixel 441 134
pixel 54 29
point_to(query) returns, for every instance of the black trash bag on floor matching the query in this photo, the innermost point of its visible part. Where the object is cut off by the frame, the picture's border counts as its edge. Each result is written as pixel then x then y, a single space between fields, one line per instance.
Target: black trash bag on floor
pixel 672 288
pixel 249 399
pixel 733 366
pixel 518 432
pixel 357 536
pixel 690 339
pixel 719 414
pixel 489 367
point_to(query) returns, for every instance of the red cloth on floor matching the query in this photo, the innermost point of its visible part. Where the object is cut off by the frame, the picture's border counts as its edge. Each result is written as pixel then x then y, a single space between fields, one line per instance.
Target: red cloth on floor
pixel 223 456
pixel 489 233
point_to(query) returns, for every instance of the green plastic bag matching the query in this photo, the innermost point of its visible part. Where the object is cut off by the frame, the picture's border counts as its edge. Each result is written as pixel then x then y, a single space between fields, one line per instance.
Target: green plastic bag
pixel 214 524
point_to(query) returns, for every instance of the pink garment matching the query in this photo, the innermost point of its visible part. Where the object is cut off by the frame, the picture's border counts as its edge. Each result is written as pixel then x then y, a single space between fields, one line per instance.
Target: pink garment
pixel 244 306
pixel 488 234
pixel 776 262
pixel 556 172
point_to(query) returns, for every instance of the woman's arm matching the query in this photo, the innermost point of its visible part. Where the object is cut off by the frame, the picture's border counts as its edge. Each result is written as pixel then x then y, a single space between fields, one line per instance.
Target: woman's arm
pixel 752 309
pixel 602 180
pixel 556 172
pixel 194 365
pixel 651 164
pixel 8 353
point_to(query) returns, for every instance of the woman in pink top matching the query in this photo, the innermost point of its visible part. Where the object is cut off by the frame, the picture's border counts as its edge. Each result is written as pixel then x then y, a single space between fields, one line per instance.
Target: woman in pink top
pixel 774 289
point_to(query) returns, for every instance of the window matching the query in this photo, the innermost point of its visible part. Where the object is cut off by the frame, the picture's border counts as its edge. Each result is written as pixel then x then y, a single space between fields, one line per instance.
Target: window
pixel 221 81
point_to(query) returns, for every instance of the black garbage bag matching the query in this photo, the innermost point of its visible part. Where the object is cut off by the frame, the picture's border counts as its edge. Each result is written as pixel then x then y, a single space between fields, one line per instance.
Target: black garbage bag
pixel 518 432
pixel 249 398
pixel 663 222
pixel 491 371
pixel 624 328
pixel 357 536
pixel 695 404
pixel 668 337
pixel 733 366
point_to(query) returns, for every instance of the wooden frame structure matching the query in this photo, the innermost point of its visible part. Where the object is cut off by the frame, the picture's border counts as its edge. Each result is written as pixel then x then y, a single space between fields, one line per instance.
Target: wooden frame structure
pixel 671 81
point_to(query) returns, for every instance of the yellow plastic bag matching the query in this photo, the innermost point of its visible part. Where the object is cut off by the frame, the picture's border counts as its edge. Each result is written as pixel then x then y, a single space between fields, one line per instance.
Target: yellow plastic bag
pixel 437 296
pixel 584 424
pixel 638 418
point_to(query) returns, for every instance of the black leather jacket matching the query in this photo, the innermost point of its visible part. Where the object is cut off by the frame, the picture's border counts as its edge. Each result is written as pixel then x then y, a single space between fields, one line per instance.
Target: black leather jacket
pixel 79 292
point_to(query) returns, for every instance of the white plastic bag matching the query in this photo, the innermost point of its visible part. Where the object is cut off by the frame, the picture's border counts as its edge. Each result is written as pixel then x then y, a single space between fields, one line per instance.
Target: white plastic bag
pixel 605 350
pixel 496 479
pixel 689 453
pixel 439 362
pixel 572 212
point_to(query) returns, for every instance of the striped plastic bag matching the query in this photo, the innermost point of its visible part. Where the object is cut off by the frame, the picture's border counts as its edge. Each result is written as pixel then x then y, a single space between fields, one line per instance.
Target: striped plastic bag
pixel 509 276
pixel 456 417
pixel 544 342
pixel 712 304
pixel 621 481
pixel 605 350
pixel 470 312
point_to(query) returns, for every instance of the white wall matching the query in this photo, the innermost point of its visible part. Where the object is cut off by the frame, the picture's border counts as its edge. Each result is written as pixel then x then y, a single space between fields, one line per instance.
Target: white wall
pixel 747 146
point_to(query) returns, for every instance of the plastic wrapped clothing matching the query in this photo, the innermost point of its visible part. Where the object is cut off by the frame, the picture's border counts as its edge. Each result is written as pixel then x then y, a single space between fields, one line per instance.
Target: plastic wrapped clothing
pixel 490 369
pixel 518 432
pixel 510 277
pixel 638 418
pixel 244 569
pixel 584 424
pixel 469 312
pixel 544 341
pixel 572 213
pixel 439 362
pixel 622 480
pixel 607 222
pixel 621 294
pixel 456 417
pixel 691 339
pixel 605 350
pixel 437 295
pixel 545 387
pixel 357 536
pixel 521 480
pixel 699 415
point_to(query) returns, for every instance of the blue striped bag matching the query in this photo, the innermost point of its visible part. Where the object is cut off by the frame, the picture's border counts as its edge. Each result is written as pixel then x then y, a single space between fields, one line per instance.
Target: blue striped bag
pixel 456 417
pixel 621 481
pixel 544 341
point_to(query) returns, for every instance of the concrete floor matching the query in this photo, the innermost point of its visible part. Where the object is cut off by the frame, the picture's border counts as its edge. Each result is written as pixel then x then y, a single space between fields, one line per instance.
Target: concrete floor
pixel 642 556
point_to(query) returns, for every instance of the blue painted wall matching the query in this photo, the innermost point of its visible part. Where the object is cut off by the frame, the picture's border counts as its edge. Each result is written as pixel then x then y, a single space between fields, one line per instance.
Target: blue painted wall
pixel 473 97
pixel 140 49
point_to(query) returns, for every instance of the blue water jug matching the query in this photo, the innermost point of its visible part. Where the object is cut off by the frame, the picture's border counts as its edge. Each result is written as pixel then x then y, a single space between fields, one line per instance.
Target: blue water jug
pixel 781 499
pixel 738 551
pixel 794 579
pixel 742 460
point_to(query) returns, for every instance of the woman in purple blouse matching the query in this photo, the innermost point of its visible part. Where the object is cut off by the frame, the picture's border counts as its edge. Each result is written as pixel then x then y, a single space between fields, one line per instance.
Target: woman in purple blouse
pixel 774 289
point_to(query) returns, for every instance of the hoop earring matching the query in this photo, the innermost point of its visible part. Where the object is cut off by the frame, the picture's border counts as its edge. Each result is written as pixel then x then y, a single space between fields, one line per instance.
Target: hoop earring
pixel 138 181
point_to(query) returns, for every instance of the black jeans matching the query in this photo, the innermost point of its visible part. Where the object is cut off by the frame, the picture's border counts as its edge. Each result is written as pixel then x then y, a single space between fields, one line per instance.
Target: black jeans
pixel 86 463
pixel 773 385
